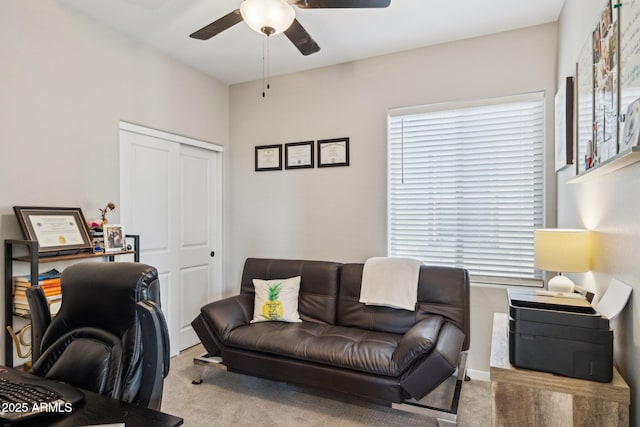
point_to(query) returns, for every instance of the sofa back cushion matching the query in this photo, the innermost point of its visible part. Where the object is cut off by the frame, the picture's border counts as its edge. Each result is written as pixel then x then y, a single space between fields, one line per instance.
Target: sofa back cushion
pixel 441 290
pixel 318 285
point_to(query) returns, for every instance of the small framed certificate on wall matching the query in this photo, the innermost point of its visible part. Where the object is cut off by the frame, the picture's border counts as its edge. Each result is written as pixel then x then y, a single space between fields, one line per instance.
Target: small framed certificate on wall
pixel 333 152
pixel 268 157
pixel 298 155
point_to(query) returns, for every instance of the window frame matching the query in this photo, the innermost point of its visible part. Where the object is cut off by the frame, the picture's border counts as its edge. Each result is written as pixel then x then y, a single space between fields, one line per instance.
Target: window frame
pixel 538 96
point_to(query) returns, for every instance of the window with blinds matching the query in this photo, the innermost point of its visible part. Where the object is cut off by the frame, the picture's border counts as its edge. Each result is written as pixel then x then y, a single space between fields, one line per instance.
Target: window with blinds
pixel 466 186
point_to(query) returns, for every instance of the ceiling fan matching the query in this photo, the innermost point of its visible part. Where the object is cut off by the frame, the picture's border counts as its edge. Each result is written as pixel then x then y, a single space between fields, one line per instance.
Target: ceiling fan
pixel 270 17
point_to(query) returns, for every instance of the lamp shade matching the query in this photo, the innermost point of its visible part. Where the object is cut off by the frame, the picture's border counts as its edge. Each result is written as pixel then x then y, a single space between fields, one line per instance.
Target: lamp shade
pixel 562 250
pixel 267 16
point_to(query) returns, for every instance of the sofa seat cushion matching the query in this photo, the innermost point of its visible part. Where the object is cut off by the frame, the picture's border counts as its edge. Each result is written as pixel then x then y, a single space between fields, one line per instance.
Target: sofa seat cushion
pixel 358 349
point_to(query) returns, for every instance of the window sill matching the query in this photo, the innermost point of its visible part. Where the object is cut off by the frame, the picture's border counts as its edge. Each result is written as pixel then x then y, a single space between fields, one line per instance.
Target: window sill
pixel 503 285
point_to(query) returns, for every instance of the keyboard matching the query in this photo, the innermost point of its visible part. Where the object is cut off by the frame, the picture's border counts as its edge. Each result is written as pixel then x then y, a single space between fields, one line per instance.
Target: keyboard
pixel 24 396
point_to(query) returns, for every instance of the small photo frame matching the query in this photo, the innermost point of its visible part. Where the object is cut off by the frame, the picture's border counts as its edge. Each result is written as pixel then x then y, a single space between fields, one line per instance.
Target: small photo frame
pixel 298 155
pixel 268 157
pixel 333 152
pixel 55 229
pixel 631 126
pixel 114 238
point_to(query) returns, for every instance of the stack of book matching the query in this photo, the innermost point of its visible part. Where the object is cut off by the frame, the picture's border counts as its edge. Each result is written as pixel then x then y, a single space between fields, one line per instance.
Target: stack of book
pixel 49 281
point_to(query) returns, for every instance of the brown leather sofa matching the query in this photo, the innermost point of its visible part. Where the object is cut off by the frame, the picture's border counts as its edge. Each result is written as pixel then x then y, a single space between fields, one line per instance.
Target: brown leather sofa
pixel 380 354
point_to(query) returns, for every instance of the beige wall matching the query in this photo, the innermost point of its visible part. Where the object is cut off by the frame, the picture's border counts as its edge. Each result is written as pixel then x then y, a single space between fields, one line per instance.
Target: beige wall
pixel 609 205
pixel 340 213
pixel 69 81
pixel 65 83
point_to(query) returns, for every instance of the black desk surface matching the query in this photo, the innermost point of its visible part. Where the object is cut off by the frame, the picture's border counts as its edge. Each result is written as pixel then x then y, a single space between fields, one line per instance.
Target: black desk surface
pixel 98 409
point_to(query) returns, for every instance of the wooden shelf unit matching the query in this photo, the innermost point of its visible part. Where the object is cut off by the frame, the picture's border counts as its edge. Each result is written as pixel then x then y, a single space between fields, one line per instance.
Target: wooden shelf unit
pixel 35 259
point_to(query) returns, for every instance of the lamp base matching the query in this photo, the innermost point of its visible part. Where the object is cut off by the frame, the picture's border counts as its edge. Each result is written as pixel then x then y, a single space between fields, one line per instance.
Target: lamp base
pixel 561 283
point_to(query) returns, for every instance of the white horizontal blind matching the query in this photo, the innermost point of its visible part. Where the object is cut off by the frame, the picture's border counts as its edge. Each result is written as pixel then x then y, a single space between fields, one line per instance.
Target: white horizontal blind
pixel 466 187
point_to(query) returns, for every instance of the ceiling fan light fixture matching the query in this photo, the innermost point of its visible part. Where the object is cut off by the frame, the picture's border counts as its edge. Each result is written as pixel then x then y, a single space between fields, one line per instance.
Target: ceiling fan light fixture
pixel 267 16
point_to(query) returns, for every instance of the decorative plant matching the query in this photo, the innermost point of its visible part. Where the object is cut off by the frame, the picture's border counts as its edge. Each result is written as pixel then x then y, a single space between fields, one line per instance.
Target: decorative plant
pixel 103 213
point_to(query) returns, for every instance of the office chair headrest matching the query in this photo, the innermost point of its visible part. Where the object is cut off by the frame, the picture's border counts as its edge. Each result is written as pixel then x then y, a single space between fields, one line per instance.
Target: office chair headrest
pixel 104 295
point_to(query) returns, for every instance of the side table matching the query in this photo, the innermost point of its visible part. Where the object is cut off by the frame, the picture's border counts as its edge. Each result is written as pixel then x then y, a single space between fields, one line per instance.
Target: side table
pixel 522 397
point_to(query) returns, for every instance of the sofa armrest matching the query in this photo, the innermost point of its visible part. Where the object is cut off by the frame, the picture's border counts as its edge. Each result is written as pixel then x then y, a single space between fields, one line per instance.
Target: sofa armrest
pixel 418 340
pixel 426 374
pixel 225 315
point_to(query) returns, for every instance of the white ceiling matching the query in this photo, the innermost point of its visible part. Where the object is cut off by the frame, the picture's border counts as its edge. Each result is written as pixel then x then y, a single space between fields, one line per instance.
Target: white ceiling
pixel 235 55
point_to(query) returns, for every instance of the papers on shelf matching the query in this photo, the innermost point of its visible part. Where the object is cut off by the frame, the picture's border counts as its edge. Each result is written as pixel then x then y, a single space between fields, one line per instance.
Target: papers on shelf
pixel 614 299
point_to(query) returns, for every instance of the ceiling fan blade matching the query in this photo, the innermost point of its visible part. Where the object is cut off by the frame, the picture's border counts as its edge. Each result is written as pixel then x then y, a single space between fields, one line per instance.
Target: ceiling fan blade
pixel 328 4
pixel 216 27
pixel 301 39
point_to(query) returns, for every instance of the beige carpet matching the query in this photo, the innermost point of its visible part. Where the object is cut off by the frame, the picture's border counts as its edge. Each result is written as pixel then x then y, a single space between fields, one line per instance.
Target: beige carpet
pixel 229 399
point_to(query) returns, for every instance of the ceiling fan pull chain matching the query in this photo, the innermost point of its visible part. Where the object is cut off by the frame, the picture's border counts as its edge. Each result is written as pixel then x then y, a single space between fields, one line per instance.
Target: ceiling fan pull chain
pixel 263 65
pixel 268 64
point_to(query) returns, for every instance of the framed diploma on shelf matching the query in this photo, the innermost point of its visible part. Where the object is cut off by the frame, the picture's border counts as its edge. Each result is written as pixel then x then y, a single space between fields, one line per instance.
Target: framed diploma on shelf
pixel 333 152
pixel 298 155
pixel 55 229
pixel 268 157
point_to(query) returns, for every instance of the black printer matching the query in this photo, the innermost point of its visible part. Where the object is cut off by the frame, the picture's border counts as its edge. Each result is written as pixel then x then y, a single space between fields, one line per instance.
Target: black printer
pixel 561 334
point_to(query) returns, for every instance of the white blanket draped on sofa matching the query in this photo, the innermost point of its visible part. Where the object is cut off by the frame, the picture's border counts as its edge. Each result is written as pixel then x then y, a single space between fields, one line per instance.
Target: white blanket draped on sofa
pixel 390 282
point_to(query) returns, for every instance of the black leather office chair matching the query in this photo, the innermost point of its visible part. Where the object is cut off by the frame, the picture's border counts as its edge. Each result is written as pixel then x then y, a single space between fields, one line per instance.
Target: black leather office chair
pixel 109 336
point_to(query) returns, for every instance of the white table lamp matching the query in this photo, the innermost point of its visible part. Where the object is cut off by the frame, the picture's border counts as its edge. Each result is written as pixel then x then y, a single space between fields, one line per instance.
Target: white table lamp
pixel 562 251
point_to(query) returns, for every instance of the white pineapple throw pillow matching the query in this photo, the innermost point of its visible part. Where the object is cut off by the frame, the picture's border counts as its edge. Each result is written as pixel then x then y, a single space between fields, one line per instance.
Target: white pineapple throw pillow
pixel 276 300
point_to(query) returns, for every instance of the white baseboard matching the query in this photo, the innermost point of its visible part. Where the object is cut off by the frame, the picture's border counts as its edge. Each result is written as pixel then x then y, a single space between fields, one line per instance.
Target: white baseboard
pixel 475 374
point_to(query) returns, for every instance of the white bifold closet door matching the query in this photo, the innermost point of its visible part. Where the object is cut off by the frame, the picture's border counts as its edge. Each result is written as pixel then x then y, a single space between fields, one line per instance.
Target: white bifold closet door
pixel 171 195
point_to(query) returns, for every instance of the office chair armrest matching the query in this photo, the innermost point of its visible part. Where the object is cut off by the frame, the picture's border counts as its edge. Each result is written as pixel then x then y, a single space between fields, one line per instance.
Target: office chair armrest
pixel 40 319
pixel 164 334
pixel 155 354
